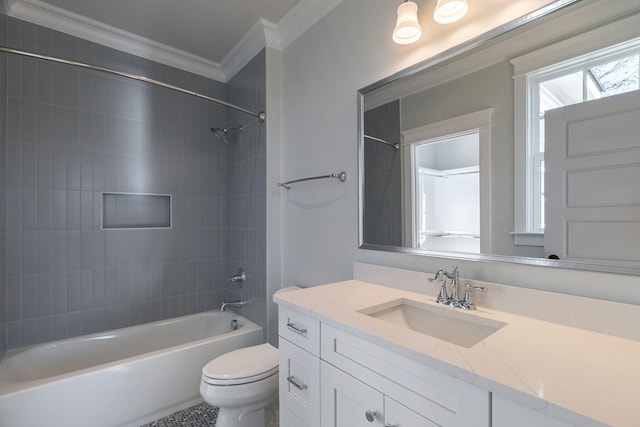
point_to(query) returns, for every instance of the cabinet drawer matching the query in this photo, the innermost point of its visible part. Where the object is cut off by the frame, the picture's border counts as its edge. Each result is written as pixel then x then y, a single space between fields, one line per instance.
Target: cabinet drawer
pixel 302 330
pixel 299 383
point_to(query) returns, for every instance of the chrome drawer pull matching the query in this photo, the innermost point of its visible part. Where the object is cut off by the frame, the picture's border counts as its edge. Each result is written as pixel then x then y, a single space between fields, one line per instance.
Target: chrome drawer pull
pixel 295 329
pixel 295 383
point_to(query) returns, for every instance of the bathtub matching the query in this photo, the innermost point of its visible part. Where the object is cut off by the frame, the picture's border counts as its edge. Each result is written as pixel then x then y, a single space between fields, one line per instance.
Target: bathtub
pixel 125 377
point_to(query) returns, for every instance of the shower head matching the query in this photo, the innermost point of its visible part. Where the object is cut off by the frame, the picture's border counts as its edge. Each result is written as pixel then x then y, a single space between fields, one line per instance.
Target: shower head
pixel 223 134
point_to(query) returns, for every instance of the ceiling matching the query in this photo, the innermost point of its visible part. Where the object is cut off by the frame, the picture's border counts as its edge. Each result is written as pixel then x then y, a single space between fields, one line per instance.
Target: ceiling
pixel 208 37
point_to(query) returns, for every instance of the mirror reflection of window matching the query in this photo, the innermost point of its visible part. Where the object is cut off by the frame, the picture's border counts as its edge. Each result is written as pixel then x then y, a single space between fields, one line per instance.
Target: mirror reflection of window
pixel 448 193
pixel 600 74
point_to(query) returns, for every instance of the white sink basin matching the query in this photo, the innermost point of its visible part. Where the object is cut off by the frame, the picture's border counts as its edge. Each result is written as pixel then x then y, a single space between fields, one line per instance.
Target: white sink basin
pixel 445 323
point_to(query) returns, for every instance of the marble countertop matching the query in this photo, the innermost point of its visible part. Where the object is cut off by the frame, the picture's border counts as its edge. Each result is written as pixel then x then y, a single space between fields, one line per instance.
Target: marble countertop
pixel 581 377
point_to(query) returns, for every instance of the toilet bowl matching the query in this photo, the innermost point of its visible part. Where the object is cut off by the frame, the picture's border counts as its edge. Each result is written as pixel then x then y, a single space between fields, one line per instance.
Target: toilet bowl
pixel 243 384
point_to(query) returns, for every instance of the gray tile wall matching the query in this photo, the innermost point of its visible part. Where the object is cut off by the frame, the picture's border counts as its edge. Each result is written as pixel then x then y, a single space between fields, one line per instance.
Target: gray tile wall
pixel 247 192
pixel 382 192
pixel 3 128
pixel 72 134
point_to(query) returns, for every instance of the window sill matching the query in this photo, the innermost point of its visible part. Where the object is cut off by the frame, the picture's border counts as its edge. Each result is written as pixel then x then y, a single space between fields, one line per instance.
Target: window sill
pixel 528 239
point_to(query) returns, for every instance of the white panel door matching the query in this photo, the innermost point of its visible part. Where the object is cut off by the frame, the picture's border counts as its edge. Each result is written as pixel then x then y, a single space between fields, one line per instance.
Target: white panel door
pixel 347 402
pixel 592 181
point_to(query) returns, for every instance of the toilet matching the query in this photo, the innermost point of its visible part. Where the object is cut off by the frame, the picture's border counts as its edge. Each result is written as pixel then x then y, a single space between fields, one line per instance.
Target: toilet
pixel 243 384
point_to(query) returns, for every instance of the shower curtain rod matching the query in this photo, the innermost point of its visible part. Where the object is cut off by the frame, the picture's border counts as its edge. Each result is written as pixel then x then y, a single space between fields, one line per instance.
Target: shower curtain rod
pixel 261 115
pixel 390 144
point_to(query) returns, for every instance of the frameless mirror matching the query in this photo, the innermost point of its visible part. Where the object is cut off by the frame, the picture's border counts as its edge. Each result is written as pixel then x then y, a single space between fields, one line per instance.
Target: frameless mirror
pixel 518 146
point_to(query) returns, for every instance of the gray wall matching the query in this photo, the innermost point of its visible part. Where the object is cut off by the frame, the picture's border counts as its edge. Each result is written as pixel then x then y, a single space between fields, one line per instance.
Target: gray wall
pixel 246 173
pixel 382 190
pixel 72 134
pixel 3 133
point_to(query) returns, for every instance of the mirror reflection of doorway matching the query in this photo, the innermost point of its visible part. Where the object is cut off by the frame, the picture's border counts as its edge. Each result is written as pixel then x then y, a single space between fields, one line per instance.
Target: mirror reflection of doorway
pixel 447 173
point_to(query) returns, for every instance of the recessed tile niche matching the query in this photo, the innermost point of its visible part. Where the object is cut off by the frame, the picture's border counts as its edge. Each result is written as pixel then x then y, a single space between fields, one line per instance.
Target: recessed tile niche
pixel 130 210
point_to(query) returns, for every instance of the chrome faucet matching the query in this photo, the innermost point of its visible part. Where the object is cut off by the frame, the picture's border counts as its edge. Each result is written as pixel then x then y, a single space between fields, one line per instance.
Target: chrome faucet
pixel 236 304
pixel 454 300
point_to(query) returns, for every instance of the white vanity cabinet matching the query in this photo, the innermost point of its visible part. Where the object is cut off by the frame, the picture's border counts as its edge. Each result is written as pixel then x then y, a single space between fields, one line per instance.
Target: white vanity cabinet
pixel 411 393
pixel 345 381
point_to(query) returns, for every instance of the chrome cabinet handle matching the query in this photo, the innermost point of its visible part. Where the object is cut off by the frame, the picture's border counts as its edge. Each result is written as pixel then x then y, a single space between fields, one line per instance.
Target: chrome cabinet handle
pixel 370 415
pixel 389 425
pixel 295 329
pixel 296 384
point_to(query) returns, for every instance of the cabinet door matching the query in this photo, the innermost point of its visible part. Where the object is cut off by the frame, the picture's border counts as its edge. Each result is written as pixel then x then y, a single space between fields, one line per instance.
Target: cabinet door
pixel 397 415
pixel 299 383
pixel 347 402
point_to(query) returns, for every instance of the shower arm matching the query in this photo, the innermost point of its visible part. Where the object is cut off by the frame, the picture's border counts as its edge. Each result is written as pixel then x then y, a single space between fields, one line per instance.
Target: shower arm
pixel 261 115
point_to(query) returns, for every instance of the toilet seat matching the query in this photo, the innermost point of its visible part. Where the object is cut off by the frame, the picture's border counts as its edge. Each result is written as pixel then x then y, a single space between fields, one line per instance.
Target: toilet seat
pixel 243 366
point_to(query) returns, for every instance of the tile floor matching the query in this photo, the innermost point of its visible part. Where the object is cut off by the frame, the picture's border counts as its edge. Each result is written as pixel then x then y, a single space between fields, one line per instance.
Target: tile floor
pixel 201 415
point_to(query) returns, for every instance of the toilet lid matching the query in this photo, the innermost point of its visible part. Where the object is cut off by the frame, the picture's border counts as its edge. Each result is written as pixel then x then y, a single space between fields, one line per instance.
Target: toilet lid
pixel 242 366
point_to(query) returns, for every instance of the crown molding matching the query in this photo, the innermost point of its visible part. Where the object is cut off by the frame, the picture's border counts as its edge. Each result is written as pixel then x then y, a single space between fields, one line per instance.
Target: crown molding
pixel 248 47
pixel 262 34
pixel 265 33
pixel 43 14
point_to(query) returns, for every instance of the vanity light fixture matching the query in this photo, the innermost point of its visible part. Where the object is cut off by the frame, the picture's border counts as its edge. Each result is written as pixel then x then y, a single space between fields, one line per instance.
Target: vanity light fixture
pixel 448 11
pixel 407 28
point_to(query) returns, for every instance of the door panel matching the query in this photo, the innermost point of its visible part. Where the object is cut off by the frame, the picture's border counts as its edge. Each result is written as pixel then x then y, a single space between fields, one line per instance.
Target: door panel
pixel 592 161
pixel 345 400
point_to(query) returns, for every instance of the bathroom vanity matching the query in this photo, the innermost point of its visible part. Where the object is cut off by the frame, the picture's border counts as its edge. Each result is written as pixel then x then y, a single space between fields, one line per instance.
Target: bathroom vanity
pixel 355 353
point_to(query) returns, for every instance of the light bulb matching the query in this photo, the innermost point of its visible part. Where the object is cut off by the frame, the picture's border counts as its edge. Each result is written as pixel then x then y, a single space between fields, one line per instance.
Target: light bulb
pixel 448 11
pixel 407 28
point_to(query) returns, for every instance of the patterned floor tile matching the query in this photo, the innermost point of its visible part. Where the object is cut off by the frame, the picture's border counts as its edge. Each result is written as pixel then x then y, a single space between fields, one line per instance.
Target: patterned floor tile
pixel 202 415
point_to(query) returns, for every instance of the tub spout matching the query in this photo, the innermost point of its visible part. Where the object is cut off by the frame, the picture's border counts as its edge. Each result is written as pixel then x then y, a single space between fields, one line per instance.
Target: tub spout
pixel 236 304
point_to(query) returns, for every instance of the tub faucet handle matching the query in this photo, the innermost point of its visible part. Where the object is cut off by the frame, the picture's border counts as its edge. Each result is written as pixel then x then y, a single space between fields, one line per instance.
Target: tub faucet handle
pixel 239 277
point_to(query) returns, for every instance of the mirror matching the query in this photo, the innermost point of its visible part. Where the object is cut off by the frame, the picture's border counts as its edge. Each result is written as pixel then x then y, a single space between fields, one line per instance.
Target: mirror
pixel 420 189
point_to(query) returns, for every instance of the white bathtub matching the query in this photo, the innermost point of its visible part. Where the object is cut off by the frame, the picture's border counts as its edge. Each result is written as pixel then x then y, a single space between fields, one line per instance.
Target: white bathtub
pixel 124 377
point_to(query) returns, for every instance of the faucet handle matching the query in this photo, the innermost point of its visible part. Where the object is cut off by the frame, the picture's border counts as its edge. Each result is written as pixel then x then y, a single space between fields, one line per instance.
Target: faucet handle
pixel 439 277
pixel 467 302
pixel 442 298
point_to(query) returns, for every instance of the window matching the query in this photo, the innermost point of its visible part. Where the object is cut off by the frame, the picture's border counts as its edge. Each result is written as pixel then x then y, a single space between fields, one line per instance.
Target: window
pixel 591 76
pixel 600 73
